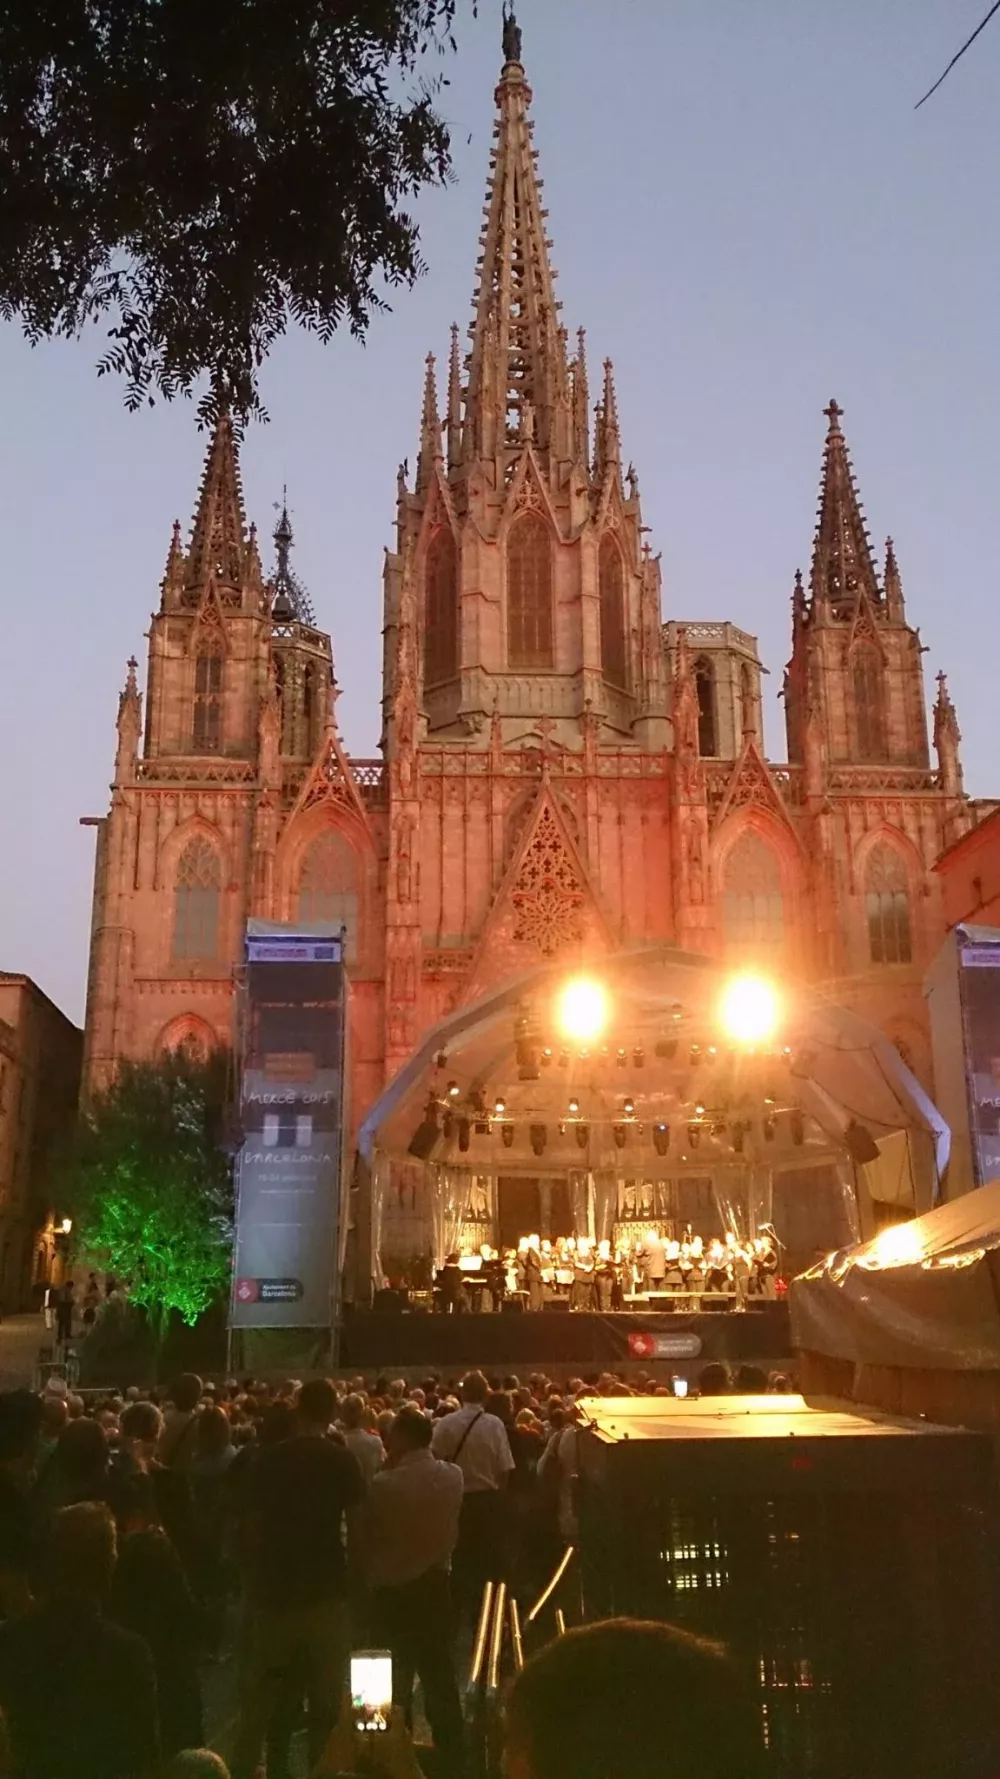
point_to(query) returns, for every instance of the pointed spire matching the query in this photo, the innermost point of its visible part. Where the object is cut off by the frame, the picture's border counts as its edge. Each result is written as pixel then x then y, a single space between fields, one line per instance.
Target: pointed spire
pixel 580 395
pixel 172 584
pixel 430 427
pixel 128 700
pixel 219 534
pixel 518 353
pixel 454 401
pixel 947 738
pixel 129 728
pixel 685 701
pixel 289 599
pixel 892 584
pixel 842 566
pixel 609 450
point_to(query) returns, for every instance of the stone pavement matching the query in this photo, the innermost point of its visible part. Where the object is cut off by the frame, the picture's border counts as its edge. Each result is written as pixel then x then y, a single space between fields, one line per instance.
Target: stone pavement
pixel 20 1339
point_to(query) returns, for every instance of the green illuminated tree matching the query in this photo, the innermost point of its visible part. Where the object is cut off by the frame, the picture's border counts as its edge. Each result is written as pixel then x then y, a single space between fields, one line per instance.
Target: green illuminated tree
pixel 150 1187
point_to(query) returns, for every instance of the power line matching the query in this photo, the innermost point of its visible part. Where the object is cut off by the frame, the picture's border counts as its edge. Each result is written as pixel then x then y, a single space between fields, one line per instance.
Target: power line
pixel 958 57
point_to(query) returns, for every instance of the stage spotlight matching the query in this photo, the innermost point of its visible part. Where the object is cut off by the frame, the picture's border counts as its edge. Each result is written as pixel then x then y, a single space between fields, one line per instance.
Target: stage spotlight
pixel 574 1106
pixel 661 1138
pixel 638 1056
pixel 563 1057
pixel 797 1126
pixel 770 1097
pixel 583 1009
pixel 499 1105
pixel 628 1107
pixel 538 1135
pixel 677 1012
pixel 507 1132
pixel 711 1053
pixel 464 1133
pixel 546 1056
pixel 699 1110
pixel 694 1135
pixel 448 1125
pixel 695 1055
pixel 621 1056
pixel 666 1048
pixel 582 1135
pixel 769 1127
pixel 618 1131
pixel 749 1009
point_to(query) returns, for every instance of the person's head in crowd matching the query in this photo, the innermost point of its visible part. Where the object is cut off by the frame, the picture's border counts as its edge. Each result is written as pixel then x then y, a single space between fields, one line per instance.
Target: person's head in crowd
pixel 557 1419
pixel 498 1403
pixel 779 1384
pixel 631 1700
pixel 383 1424
pixel 186 1392
pixel 397 1390
pixel 82 1458
pixel 214 1434
pixel 510 1383
pixel 418 1396
pixel 54 1418
pixel 141 1427
pixel 76 1406
pixel 475 1388
pixel 79 1558
pixel 20 1432
pixel 354 1412
pixel 713 1380
pixel 316 1406
pixel 197 1763
pixel 750 1380
pixel 411 1431
pixel 276 1423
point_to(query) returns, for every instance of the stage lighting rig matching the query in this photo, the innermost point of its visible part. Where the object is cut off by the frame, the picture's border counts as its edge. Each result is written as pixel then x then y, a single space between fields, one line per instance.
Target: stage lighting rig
pixel 507 1133
pixel 628 1107
pixel 749 1010
pixel 583 1009
pixel 582 1135
pixel 574 1107
pixel 538 1135
pixel 621 1056
pixel 639 1056
pixel 427 1132
pixel 499 1106
pixel 694 1135
pixel 695 1055
pixel 453 1090
pixel 661 1138
pixel 619 1132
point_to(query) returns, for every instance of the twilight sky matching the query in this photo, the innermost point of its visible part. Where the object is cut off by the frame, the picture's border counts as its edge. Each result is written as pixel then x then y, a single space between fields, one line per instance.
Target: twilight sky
pixel 748 216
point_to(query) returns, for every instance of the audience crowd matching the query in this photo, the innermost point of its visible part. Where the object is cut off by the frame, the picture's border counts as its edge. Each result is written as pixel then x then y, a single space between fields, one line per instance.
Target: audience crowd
pixel 146 1539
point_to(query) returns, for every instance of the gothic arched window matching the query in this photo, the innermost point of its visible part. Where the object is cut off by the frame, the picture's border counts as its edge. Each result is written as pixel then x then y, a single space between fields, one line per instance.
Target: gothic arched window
pixel 611 586
pixel 207 728
pixel 748 703
pixel 704 680
pixel 887 905
pixel 197 896
pixel 869 709
pixel 529 594
pixel 753 906
pixel 328 885
pixel 440 609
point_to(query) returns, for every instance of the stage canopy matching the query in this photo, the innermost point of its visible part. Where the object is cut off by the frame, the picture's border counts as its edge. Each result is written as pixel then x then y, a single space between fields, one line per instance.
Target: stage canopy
pixel 498 1088
pixel 923 1294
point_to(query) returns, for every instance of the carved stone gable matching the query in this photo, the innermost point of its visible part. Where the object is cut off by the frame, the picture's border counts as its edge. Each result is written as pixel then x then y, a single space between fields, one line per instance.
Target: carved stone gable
pixel 751 785
pixel 547 894
pixel 330 780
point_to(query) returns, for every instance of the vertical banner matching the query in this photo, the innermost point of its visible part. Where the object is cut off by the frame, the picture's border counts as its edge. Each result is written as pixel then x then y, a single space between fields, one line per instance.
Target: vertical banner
pixel 288 1181
pixel 980 981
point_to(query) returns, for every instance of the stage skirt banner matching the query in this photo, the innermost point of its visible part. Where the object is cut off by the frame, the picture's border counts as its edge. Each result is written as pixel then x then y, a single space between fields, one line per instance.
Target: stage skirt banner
pixel 288 1179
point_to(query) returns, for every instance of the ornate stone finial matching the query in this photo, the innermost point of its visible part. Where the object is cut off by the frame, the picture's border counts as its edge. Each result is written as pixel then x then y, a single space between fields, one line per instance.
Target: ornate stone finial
pixel 511 36
pixel 892 584
pixel 947 738
pixel 430 426
pixel 454 401
pixel 129 726
pixel 833 413
pixel 843 568
pixel 289 599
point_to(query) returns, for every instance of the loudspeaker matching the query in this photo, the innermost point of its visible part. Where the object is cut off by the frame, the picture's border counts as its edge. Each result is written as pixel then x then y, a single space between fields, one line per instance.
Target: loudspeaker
pixel 559 1306
pixel 859 1142
pixel 389 1302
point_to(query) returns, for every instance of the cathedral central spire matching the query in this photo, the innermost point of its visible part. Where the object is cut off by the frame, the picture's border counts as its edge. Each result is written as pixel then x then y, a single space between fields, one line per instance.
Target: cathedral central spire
pixel 518 383
pixel 842 566
pixel 219 534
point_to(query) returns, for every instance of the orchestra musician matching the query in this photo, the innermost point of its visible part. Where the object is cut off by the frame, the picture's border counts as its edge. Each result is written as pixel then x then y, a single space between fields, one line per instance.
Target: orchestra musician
pixel 531 1268
pixel 449 1288
pixel 582 1295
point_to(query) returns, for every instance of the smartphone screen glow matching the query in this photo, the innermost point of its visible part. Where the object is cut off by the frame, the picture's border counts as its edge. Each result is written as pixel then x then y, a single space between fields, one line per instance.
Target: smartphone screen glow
pixel 371 1689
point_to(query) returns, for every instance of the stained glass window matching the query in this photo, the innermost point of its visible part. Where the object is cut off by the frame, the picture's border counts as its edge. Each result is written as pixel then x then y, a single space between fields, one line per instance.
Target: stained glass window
pixel 611 586
pixel 197 892
pixel 887 904
pixel 208 697
pixel 753 905
pixel 441 610
pixel 529 594
pixel 869 710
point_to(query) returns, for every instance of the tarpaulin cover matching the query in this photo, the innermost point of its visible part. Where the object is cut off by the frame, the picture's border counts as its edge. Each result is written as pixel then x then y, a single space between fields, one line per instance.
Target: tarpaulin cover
pixel 924 1294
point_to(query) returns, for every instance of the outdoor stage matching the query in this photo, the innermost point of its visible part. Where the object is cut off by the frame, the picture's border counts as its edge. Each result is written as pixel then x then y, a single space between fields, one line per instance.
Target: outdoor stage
pixel 402 1339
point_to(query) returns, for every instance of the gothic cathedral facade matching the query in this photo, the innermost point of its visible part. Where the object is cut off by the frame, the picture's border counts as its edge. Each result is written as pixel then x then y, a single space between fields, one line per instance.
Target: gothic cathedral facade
pixel 561 772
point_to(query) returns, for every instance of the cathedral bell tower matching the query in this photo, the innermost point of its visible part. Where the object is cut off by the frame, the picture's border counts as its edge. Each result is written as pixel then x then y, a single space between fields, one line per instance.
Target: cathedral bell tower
pixel 521 542
pixel 854 690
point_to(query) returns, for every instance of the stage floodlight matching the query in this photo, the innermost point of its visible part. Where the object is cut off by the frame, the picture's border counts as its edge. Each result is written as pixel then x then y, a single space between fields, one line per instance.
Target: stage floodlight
pixel 574 1106
pixel 499 1105
pixel 619 1131
pixel 677 1013
pixel 453 1090
pixel 507 1132
pixel 749 1009
pixel 448 1125
pixel 426 1134
pixel 583 1009
pixel 621 1056
pixel 546 1056
pixel 539 1136
pixel 464 1133
pixel 661 1138
pixel 638 1056
pixel 582 1135
pixel 695 1055
pixel 699 1109
pixel 694 1135
pixel 769 1126
pixel 628 1107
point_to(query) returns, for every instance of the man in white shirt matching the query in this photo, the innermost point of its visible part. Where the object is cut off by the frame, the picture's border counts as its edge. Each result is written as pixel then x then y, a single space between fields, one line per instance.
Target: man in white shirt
pixel 477 1442
pixel 412 1519
pixel 359 1439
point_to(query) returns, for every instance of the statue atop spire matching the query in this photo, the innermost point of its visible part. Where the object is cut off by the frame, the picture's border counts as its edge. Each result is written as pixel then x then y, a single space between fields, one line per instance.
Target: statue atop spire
pixel 511 36
pixel 842 566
